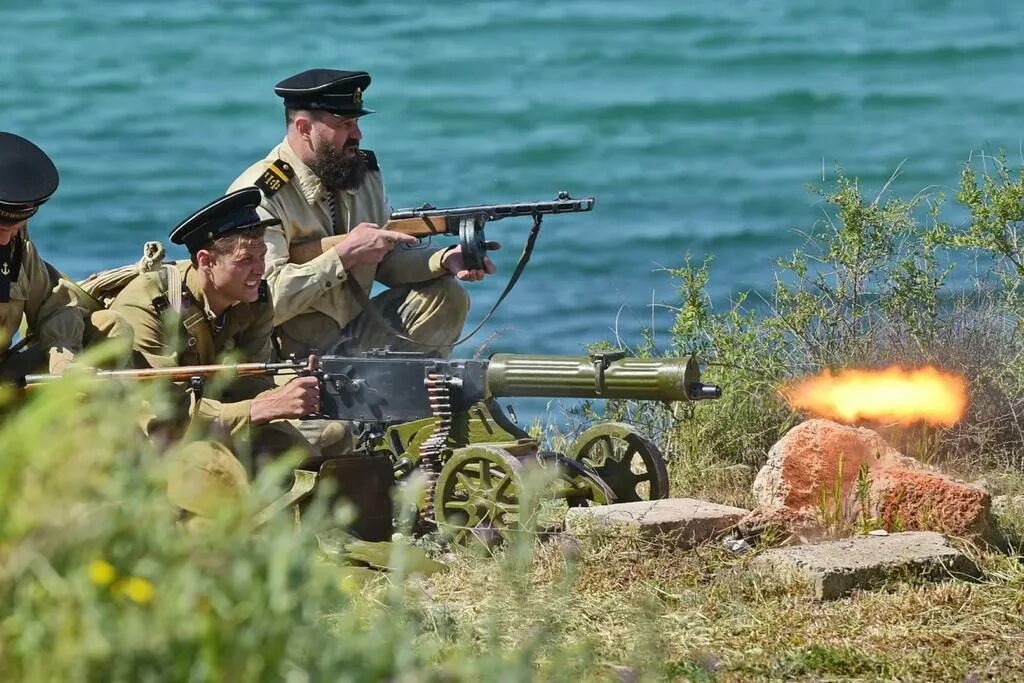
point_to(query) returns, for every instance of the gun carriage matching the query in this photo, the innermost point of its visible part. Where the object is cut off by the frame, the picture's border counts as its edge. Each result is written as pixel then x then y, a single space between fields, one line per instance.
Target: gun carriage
pixel 442 418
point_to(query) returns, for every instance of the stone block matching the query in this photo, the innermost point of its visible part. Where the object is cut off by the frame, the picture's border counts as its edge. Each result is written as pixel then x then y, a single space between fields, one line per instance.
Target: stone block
pixel 684 521
pixel 837 567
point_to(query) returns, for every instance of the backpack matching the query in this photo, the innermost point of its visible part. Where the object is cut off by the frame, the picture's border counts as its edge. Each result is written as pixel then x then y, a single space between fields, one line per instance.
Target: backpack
pixel 98 291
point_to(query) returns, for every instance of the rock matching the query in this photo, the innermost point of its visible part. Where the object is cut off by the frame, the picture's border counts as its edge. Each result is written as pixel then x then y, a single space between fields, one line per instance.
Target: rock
pixel 904 499
pixel 781 526
pixel 683 521
pixel 835 568
pixel 816 456
pixel 849 476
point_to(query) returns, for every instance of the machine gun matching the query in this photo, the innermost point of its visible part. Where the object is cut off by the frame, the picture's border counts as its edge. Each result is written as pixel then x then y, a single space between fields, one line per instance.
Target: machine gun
pixel 441 417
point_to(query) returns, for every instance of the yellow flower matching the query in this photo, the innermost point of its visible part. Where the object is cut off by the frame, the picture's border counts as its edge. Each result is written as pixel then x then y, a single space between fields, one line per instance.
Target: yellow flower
pixel 136 589
pixel 349 584
pixel 102 573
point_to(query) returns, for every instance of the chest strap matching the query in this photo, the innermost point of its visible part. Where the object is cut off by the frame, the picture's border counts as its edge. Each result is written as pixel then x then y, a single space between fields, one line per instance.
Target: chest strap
pixel 193 319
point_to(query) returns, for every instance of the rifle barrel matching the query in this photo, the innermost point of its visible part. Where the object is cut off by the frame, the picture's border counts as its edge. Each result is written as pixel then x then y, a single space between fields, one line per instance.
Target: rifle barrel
pixel 178 374
pixel 495 212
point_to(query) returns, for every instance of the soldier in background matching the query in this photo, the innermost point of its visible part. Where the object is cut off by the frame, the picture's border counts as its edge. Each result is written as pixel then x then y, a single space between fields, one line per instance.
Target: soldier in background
pixel 28 285
pixel 329 248
pixel 194 313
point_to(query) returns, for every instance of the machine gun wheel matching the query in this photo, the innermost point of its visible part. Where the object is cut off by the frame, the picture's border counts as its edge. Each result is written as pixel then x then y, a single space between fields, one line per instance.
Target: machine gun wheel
pixel 628 462
pixel 577 484
pixel 477 496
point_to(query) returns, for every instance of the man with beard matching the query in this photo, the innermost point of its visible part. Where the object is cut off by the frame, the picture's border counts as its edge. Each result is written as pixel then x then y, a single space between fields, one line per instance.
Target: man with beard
pixel 329 196
pixel 330 247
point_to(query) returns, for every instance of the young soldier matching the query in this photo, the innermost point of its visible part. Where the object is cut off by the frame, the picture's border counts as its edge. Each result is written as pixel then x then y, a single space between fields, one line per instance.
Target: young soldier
pixel 193 313
pixel 27 283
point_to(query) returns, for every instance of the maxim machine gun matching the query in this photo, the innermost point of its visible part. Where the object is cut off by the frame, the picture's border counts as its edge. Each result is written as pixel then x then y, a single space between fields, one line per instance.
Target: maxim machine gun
pixel 441 417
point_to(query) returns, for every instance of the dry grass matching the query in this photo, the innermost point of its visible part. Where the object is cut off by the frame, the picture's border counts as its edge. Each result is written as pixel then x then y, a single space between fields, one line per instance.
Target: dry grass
pixel 663 613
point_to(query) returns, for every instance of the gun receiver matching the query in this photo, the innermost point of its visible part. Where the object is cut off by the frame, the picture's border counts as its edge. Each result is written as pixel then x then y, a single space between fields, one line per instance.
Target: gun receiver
pixel 466 222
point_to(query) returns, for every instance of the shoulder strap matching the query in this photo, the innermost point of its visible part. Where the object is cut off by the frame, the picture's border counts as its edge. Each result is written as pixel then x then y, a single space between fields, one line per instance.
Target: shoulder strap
pixel 192 318
pixel 275 176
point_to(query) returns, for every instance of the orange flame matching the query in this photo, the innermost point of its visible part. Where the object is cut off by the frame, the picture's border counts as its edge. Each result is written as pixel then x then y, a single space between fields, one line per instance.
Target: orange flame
pixel 890 395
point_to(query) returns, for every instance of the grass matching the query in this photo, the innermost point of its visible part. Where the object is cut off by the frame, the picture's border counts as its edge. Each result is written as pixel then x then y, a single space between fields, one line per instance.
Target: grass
pixel 98 580
pixel 666 614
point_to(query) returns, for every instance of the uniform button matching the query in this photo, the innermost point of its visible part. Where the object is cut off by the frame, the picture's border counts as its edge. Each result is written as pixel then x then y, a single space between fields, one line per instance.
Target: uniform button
pixel 327 284
pixel 191 342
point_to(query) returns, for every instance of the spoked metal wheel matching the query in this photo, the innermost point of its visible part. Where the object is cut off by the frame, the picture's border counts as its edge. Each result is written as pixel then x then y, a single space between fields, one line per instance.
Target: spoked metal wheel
pixel 576 483
pixel 477 496
pixel 627 461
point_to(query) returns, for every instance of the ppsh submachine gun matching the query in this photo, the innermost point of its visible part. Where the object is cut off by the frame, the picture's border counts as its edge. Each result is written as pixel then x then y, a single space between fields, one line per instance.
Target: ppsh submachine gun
pixel 468 222
pixel 441 417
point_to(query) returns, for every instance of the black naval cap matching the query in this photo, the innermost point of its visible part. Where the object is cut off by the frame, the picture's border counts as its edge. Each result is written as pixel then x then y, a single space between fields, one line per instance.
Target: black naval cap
pixel 227 215
pixel 27 178
pixel 338 92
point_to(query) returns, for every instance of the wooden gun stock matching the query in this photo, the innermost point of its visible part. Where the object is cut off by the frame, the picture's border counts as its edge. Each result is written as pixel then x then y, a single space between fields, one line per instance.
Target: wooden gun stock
pixel 304 252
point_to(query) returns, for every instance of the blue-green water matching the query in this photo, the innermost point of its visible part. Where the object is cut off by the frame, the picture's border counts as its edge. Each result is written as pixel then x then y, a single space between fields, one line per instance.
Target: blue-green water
pixel 696 125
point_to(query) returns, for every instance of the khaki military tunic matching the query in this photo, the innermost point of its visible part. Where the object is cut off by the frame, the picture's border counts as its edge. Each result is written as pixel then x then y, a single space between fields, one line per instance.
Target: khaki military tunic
pixel 312 303
pixel 204 474
pixel 243 330
pixel 56 325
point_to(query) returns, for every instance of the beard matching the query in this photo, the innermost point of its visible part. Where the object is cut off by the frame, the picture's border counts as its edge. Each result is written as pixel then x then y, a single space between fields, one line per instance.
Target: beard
pixel 337 170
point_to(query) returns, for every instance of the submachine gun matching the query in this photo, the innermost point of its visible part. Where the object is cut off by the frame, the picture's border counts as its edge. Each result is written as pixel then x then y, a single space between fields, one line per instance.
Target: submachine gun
pixel 468 222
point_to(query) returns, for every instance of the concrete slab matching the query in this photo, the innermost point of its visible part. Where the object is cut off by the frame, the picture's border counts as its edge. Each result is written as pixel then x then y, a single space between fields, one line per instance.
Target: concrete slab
pixel 684 521
pixel 835 568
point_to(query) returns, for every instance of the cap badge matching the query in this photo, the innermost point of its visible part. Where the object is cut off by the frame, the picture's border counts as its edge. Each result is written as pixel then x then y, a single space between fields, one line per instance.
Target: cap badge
pixel 357 97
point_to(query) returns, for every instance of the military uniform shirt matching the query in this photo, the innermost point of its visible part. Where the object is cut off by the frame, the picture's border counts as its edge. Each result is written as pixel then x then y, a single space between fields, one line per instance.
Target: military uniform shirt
pixel 304 294
pixel 46 307
pixel 243 330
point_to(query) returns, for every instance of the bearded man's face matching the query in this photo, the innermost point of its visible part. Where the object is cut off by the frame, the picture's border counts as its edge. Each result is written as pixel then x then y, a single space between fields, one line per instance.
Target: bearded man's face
pixel 341 168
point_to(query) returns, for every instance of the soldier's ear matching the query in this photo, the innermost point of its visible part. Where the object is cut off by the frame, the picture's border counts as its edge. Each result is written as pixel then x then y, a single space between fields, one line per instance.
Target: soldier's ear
pixel 303 123
pixel 205 258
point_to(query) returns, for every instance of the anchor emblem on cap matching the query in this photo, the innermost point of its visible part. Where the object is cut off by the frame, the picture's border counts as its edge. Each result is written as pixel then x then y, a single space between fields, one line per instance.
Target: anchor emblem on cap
pixel 357 97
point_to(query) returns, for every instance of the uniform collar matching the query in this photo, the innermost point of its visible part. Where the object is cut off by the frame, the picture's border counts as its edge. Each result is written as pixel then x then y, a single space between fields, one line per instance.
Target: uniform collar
pixel 307 181
pixel 190 276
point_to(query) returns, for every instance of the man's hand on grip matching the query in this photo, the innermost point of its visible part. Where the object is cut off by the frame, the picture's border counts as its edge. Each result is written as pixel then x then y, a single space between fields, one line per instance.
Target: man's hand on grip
pixel 299 398
pixel 367 244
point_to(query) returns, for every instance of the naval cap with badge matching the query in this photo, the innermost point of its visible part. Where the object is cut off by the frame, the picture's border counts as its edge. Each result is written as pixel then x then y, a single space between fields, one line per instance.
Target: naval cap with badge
pixel 227 215
pixel 27 178
pixel 330 90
